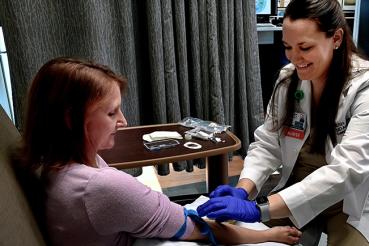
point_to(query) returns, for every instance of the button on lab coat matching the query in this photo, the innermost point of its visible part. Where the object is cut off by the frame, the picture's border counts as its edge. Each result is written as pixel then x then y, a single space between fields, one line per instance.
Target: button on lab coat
pixel 346 175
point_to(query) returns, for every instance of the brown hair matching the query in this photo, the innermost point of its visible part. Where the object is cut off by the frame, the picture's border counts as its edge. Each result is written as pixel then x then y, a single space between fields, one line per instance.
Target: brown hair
pixel 62 87
pixel 329 17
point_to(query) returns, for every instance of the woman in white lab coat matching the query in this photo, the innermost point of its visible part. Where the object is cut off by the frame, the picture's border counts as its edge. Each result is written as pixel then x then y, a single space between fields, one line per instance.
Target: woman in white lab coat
pixel 316 129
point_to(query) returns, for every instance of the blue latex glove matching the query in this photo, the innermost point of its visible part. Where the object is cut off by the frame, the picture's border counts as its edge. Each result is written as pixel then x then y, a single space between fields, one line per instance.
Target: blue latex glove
pixel 227 190
pixel 230 208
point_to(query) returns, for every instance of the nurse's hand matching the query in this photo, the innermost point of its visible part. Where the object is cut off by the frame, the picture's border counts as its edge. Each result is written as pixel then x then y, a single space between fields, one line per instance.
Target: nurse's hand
pixel 230 208
pixel 227 190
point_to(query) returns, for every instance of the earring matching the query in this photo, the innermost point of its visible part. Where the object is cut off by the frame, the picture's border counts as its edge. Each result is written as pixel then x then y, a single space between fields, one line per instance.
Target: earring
pixel 336 48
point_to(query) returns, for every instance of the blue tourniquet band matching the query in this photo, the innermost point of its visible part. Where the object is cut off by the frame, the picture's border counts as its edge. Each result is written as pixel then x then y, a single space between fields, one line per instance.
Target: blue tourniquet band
pixel 181 230
pixel 203 226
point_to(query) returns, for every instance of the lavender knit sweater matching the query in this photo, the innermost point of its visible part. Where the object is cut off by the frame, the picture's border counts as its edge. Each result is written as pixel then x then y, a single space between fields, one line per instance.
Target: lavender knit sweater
pixel 105 206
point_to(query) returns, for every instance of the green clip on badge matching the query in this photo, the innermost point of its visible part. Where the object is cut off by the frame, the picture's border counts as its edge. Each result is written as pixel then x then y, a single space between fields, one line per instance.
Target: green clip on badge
pixel 299 95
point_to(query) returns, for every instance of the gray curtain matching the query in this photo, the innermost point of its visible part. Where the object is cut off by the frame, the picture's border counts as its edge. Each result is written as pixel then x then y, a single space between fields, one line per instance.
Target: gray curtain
pixel 182 58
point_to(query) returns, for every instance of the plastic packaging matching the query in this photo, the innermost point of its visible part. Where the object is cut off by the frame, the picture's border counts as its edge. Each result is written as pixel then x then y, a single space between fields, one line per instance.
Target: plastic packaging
pixel 207 126
pixel 161 144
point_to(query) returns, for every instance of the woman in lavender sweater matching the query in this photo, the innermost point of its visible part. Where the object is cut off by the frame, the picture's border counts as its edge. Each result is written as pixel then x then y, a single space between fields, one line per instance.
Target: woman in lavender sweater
pixel 73 112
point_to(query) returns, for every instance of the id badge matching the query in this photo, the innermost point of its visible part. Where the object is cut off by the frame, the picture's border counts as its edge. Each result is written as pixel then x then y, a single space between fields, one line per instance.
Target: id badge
pixel 297 127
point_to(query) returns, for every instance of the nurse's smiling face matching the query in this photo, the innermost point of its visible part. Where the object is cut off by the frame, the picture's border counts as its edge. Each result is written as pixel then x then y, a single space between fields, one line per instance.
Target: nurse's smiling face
pixel 308 48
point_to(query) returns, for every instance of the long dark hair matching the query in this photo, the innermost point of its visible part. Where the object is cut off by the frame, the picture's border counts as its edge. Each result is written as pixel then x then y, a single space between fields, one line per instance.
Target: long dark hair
pixel 329 17
pixel 63 86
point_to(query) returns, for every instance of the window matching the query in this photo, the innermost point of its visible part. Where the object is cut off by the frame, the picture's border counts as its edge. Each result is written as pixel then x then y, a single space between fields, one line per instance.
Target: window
pixel 6 98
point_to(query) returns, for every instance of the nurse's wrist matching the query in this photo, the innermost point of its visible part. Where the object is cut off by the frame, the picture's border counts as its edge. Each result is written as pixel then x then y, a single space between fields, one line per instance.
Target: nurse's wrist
pixel 248 186
pixel 262 203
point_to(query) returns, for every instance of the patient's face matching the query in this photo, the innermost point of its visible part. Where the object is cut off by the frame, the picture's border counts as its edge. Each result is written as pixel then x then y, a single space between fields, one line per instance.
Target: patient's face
pixel 102 120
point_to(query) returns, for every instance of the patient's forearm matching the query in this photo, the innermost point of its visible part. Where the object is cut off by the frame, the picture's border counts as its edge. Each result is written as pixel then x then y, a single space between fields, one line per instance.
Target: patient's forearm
pixel 226 233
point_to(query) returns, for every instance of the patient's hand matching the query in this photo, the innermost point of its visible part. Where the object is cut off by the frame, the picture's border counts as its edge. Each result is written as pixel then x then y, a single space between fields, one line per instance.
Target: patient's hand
pixel 284 234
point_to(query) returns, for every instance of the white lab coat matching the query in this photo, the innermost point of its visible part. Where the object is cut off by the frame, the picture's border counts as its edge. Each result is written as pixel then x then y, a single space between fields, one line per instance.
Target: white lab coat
pixel 347 174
